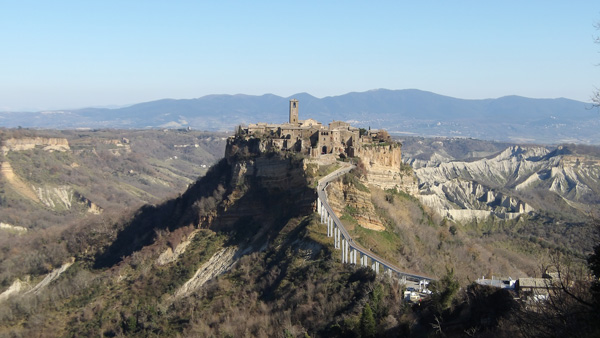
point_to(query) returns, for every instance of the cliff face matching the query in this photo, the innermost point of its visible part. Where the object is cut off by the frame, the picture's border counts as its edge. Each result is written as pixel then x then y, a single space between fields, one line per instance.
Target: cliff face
pixel 26 143
pixel 510 183
pixel 262 183
pixel 341 195
pixel 385 168
pixel 250 194
pixel 382 162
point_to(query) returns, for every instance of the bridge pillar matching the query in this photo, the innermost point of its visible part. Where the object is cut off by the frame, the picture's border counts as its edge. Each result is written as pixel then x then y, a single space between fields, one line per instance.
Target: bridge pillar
pixel 387 270
pixel 347 251
pixel 321 214
pixel 375 266
pixel 336 237
pixel 331 225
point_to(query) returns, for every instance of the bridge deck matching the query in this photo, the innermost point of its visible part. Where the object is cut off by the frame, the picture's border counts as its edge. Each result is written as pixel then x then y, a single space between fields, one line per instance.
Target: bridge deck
pixel 346 236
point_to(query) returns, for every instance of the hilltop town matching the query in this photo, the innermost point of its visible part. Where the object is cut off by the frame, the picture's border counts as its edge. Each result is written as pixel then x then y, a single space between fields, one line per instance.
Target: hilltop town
pixel 312 138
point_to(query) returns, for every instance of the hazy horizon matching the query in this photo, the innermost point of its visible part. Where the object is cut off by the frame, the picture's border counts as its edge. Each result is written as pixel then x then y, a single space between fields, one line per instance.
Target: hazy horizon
pixel 70 54
pixel 115 106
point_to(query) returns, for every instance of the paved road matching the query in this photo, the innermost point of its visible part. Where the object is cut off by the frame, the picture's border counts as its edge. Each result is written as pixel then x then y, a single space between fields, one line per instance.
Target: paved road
pixel 344 233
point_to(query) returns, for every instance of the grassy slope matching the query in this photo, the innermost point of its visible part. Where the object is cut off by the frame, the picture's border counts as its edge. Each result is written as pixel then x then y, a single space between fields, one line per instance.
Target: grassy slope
pixel 419 241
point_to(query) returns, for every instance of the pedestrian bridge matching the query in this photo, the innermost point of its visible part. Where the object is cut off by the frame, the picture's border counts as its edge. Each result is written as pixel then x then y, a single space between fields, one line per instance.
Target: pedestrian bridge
pixel 352 253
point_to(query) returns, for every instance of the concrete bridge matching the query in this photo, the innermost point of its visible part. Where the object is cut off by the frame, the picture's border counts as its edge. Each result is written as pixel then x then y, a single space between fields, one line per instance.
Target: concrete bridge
pixel 352 253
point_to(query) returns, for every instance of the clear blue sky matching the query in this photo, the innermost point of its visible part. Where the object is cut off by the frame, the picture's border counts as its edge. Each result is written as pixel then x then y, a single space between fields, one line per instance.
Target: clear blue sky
pixel 70 54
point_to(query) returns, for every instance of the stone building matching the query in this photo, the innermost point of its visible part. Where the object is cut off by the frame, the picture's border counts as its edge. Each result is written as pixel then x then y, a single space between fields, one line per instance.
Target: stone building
pixel 311 137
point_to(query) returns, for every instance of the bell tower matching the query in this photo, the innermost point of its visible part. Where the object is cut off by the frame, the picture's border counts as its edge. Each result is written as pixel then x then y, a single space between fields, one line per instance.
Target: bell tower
pixel 294 111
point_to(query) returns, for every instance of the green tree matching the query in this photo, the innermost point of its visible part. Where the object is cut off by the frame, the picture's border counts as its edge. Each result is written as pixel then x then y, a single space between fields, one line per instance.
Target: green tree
pixel 445 290
pixel 367 322
pixel 376 297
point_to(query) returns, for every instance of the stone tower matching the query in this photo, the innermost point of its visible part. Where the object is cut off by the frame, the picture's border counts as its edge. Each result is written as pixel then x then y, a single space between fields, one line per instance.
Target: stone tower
pixel 294 111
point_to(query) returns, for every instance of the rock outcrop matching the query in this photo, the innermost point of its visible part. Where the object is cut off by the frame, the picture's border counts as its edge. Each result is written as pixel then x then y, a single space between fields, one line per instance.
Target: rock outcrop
pixel 53 275
pixel 171 255
pixel 219 263
pixel 383 164
pixel 27 143
pixel 342 196
pixel 13 228
pixel 385 169
pixel 14 289
pixel 495 185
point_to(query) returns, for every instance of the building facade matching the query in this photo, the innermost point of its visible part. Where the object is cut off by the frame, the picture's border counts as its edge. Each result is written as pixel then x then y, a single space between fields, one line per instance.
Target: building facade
pixel 309 136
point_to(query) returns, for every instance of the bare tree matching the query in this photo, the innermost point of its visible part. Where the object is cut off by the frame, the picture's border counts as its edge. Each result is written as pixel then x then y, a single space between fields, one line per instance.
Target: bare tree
pixel 568 308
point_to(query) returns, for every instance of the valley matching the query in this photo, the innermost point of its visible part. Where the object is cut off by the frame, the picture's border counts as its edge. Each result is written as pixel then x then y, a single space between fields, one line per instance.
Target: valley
pixel 241 250
pixel 61 176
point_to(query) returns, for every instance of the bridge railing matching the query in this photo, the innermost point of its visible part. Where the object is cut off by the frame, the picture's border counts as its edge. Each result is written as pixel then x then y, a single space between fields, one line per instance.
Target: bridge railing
pixel 342 239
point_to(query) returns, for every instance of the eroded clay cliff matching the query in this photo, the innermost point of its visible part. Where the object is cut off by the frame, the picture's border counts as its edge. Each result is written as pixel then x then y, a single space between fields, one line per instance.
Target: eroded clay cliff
pixel 27 143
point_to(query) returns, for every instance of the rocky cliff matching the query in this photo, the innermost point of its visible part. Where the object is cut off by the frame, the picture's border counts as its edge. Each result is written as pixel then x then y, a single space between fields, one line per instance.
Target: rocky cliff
pixel 385 168
pixel 507 183
pixel 26 143
pixel 251 192
pixel 343 197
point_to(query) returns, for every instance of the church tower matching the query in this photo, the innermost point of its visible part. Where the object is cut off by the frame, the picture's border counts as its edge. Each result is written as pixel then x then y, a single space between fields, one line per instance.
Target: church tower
pixel 294 111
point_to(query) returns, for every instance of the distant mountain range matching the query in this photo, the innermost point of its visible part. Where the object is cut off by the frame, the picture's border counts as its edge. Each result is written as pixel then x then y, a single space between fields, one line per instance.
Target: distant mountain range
pixel 407 112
